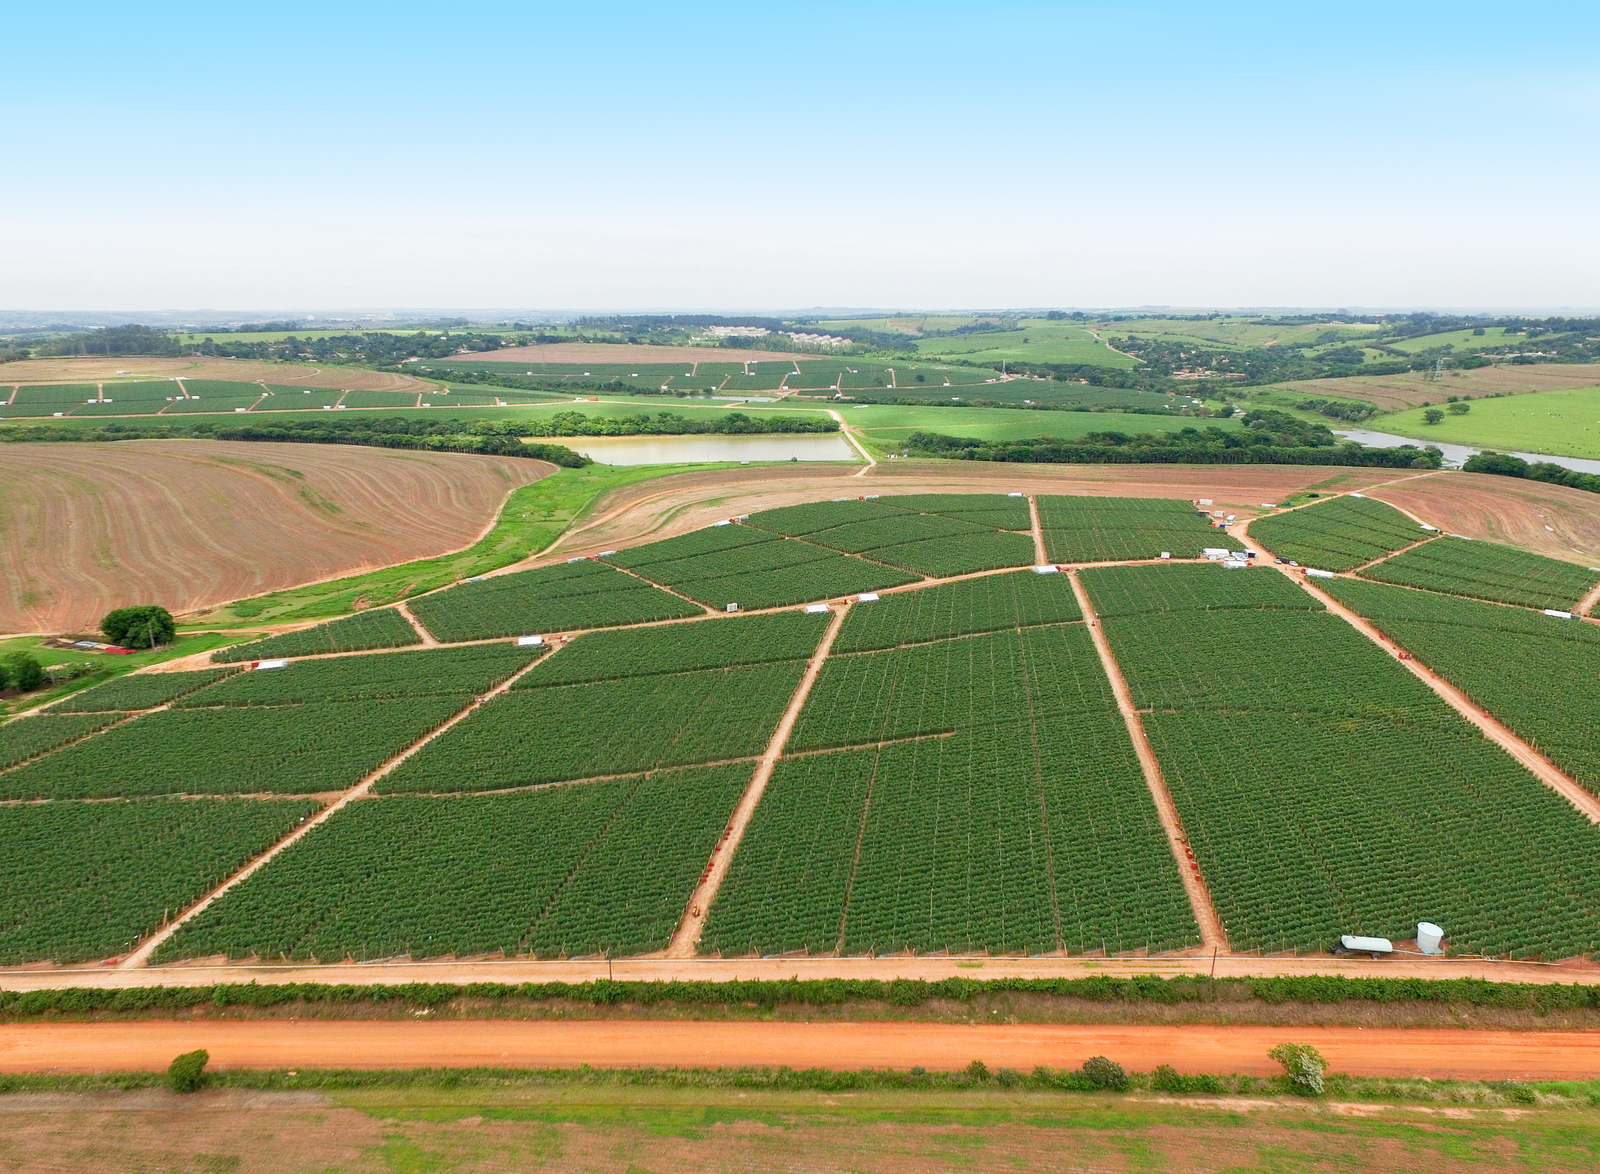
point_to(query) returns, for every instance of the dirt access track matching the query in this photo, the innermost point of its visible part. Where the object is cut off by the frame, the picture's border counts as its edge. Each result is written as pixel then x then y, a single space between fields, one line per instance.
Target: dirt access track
pixel 191 524
pixel 148 1046
pixel 612 354
pixel 1395 393
pixel 92 370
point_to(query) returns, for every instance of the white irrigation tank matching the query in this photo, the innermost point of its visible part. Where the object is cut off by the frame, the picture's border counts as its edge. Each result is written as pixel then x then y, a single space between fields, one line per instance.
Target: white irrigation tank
pixel 1560 615
pixel 1234 564
pixel 605 554
pixel 271 664
pixel 1048 569
pixel 867 597
pixel 732 607
pixel 1428 937
pixel 1166 554
pixel 1214 552
pixel 1316 574
pixel 529 641
pixel 1013 495
pixel 817 609
pixel 1365 945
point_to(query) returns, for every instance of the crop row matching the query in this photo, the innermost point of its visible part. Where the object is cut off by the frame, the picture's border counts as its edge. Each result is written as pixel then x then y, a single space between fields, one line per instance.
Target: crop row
pixel 80 881
pixel 708 540
pixel 1338 534
pixel 958 609
pixel 715 581
pixel 23 738
pixel 1535 673
pixel 139 691
pixel 891 530
pixel 473 669
pixel 1326 790
pixel 959 554
pixel 677 648
pixel 290 749
pixel 996 678
pixel 588 869
pixel 1487 570
pixel 564 597
pixel 1123 591
pixel 998 510
pixel 382 627
pixel 1111 529
pixel 532 736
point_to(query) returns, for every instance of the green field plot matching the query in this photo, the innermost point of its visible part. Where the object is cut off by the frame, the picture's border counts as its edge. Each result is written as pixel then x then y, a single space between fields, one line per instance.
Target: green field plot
pixel 1338 534
pixel 301 399
pixel 601 868
pixel 1036 341
pixel 561 732
pixel 1001 511
pixel 198 405
pixel 1533 672
pixel 933 376
pixel 145 393
pixel 1487 570
pixel 1110 529
pixel 708 540
pixel 1565 423
pixel 218 388
pixel 1325 790
pixel 118 408
pixel 80 881
pixel 286 750
pixel 677 648
pixel 813 517
pixel 819 374
pixel 54 397
pixel 1465 341
pixel 890 529
pixel 139 691
pixel 958 609
pixel 764 376
pixel 564 597
pixel 428 672
pixel 984 680
pixel 458 398
pixel 382 399
pixel 962 554
pixel 382 627
pixel 1123 591
pixel 23 738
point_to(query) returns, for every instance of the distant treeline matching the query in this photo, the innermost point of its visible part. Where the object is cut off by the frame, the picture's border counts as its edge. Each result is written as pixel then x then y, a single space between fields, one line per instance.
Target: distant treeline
pixel 668 424
pixel 1268 438
pixel 1509 466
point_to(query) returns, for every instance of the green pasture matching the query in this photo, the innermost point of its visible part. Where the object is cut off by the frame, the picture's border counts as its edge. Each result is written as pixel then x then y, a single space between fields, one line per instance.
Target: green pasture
pixel 1229 331
pixel 1563 423
pixel 905 323
pixel 1037 340
pixel 885 426
pixel 1462 340
pixel 106 666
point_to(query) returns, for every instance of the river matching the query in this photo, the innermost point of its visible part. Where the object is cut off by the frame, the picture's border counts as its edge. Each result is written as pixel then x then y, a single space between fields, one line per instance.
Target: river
pixel 677 450
pixel 1455 454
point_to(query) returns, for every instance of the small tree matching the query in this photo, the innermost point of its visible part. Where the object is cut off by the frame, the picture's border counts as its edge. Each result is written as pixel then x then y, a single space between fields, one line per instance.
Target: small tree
pixel 144 626
pixel 22 670
pixel 1432 416
pixel 186 1073
pixel 1304 1066
pixel 1104 1073
pixel 1459 408
pixel 978 1070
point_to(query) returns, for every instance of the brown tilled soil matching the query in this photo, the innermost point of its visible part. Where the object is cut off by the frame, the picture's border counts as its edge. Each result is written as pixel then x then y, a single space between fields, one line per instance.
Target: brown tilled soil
pixel 1549 519
pixel 192 523
pixel 71 370
pixel 1394 393
pixel 600 352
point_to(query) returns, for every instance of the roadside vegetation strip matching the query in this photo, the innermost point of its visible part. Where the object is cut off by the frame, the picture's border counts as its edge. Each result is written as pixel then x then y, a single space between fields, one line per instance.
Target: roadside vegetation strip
pixel 1534 672
pixel 382 627
pixel 286 749
pixel 602 728
pixel 563 597
pixel 1487 570
pixel 26 738
pixel 966 606
pixel 1113 529
pixel 83 881
pixel 1339 534
pixel 1326 790
pixel 471 669
pixel 138 691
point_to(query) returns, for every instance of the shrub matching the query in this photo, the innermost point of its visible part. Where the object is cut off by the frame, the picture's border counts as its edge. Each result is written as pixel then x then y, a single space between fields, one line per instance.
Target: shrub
pixel 144 626
pixel 1514 1091
pixel 22 670
pixel 1104 1073
pixel 1166 1078
pixel 1432 416
pixel 187 1072
pixel 1304 1066
pixel 1007 1077
pixel 1459 409
pixel 978 1070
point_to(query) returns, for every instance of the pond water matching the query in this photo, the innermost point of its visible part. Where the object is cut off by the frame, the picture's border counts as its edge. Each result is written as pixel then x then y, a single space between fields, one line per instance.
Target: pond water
pixel 1455 454
pixel 677 450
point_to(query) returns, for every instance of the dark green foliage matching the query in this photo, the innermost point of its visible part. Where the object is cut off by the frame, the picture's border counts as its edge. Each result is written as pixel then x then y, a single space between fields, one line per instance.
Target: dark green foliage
pixel 709 540
pixel 772 573
pixel 21 670
pixel 957 609
pixel 1509 466
pixel 1166 1078
pixel 1122 591
pixel 1303 1065
pixel 428 672
pixel 1339 533
pixel 816 516
pixel 977 1070
pixel 145 626
pixel 558 598
pixel 23 738
pixel 288 749
pixel 382 627
pixel 138 691
pixel 1104 1073
pixel 1487 570
pixel 985 509
pixel 80 881
pixel 187 1072
pixel 1109 529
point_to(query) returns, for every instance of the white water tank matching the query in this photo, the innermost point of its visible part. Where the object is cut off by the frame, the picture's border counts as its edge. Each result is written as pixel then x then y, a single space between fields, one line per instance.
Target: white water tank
pixel 1046 569
pixel 1428 937
pixel 867 597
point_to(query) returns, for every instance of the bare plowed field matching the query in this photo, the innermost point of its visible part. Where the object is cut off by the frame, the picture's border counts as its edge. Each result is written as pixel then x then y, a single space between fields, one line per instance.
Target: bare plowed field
pixel 1395 393
pixel 1550 519
pixel 235 370
pixel 192 523
pixel 600 352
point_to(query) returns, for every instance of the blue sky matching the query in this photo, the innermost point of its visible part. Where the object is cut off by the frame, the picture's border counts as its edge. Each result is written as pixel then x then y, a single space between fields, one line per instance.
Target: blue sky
pixel 733 156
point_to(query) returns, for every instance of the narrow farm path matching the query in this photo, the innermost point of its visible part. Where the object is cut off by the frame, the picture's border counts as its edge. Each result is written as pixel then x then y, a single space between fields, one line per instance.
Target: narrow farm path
pixel 1542 768
pixel 1040 557
pixel 1588 602
pixel 141 956
pixel 687 937
pixel 1212 933
pixel 428 639
pixel 1391 554
pixel 855 442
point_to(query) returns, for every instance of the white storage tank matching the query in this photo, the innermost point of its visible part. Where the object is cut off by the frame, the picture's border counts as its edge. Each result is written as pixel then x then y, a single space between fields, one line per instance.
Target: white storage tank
pixel 1316 574
pixel 1358 944
pixel 816 609
pixel 1047 569
pixel 867 597
pixel 1428 938
pixel 530 641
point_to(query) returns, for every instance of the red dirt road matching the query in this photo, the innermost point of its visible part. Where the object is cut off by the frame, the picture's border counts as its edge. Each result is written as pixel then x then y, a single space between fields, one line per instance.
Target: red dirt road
pixel 148 1046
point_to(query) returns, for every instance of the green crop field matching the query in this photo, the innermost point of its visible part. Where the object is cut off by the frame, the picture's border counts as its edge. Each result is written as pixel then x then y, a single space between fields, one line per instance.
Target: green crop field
pixel 430 672
pixel 379 628
pixel 28 737
pixel 888 425
pixel 1562 423
pixel 1017 600
pixel 1111 529
pixel 1487 570
pixel 1338 534
pixel 141 691
pixel 1464 341
pixel 1326 790
pixel 1035 341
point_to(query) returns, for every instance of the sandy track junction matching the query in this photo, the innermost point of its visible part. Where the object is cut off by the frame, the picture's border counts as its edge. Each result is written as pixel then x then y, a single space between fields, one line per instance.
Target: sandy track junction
pixel 1438 1053
pixel 191 524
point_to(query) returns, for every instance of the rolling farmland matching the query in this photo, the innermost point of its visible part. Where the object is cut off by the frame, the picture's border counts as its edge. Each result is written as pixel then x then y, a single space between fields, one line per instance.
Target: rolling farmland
pixel 1108 529
pixel 382 627
pixel 1487 570
pixel 1338 535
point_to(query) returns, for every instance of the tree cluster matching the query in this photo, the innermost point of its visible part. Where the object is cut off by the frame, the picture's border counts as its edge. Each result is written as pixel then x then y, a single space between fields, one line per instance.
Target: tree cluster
pixel 1509 466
